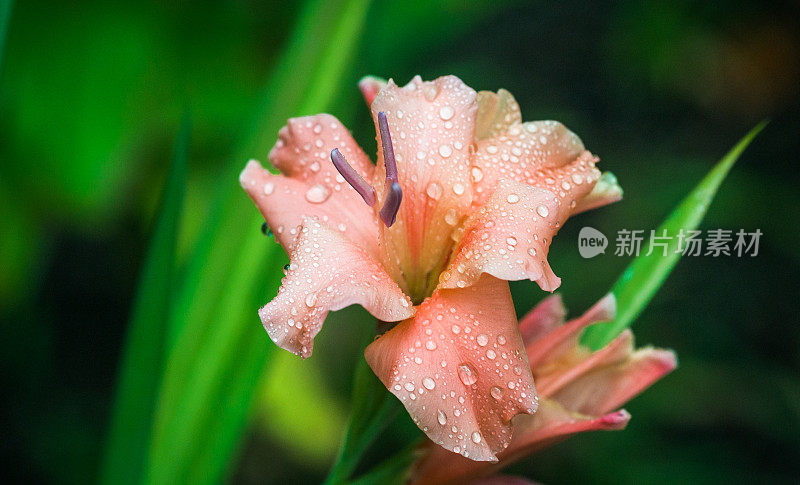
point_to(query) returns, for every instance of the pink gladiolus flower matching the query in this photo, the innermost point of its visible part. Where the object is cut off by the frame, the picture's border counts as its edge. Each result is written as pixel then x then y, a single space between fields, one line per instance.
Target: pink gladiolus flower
pixel 464 196
pixel 579 390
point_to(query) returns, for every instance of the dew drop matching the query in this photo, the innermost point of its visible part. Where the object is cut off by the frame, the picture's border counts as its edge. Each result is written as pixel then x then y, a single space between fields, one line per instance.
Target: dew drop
pixel 441 417
pixel 491 149
pixel 532 251
pixel 458 188
pixel 269 188
pixel 445 151
pixel 428 383
pixel 476 437
pixel 491 354
pixel 430 345
pixel 467 374
pixel 477 174
pixel 496 393
pixel 501 340
pixel 446 112
pixel 434 190
pixel 542 211
pixel 512 241
pixel 513 199
pixel 409 386
pixel 311 300
pixel 450 217
pixel 483 340
pixel 317 194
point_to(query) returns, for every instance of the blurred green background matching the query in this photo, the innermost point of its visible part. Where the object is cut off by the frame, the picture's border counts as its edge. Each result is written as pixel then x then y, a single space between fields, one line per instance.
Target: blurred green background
pixel 91 98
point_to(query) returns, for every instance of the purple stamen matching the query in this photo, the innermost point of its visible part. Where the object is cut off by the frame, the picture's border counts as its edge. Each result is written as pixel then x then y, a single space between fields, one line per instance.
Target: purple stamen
pixel 388 150
pixel 394 195
pixel 352 177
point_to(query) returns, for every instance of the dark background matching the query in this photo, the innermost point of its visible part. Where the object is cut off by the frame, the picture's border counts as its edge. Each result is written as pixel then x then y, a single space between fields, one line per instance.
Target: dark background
pixel 91 96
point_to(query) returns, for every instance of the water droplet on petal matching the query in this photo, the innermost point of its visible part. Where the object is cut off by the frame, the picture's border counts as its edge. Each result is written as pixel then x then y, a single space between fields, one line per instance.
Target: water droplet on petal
pixel 496 393
pixel 311 300
pixel 467 374
pixel 458 188
pixel 269 188
pixel 409 386
pixel 441 417
pixel 434 190
pixel 513 199
pixel 446 112
pixel 430 345
pixel 428 383
pixel 512 241
pixel 542 211
pixel 445 151
pixel 483 340
pixel 477 174
pixel 317 194
pixel 476 437
pixel 450 217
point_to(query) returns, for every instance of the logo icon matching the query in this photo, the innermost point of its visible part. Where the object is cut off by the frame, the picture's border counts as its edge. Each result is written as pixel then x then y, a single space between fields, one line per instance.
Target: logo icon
pixel 591 242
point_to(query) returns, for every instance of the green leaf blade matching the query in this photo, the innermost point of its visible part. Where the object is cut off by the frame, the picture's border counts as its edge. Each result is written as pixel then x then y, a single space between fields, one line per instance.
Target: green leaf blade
pixel 645 275
pixel 143 357
pixel 217 347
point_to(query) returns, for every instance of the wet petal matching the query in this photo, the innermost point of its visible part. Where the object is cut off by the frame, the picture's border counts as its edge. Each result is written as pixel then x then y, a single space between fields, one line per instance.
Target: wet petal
pixel 551 424
pixel 313 286
pixel 539 153
pixel 545 347
pixel 432 127
pixel 605 191
pixel 542 319
pixel 609 387
pixel 310 185
pixel 459 368
pixel 497 112
pixel 508 237
pixel 370 86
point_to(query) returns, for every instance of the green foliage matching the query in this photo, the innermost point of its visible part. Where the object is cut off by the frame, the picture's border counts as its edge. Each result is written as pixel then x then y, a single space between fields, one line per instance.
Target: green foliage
pixel 143 359
pixel 216 350
pixel 645 275
pixel 373 409
pixel 5 16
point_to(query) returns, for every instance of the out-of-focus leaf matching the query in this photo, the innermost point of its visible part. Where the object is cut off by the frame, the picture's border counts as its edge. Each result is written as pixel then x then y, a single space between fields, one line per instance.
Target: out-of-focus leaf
pixel 642 278
pixel 143 357
pixel 217 348
pixel 296 406
pixel 373 409
pixel 392 471
pixel 5 18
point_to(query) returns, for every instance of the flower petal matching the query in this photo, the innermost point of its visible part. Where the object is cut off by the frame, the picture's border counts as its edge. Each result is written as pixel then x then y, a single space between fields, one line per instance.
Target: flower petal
pixel 508 237
pixel 607 388
pixel 310 185
pixel 313 286
pixel 497 112
pixel 551 424
pixel 432 128
pixel 551 345
pixel 605 191
pixel 539 153
pixel 370 86
pixel 459 368
pixel 542 319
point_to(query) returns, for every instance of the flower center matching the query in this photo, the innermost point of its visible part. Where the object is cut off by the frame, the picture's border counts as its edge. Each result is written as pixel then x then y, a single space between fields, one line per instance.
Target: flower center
pixel 394 194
